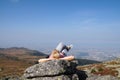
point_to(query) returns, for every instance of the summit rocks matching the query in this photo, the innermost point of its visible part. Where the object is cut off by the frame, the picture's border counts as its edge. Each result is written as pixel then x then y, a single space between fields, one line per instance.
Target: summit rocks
pixel 54 70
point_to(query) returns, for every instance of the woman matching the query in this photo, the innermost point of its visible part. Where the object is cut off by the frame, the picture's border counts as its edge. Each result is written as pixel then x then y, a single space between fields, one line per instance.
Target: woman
pixel 59 53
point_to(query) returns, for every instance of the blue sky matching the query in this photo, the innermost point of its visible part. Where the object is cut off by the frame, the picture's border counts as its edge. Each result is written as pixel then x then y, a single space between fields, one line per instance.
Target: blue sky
pixel 43 23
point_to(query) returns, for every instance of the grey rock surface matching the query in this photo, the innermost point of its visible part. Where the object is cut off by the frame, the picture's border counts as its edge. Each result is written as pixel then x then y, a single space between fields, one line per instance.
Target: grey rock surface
pixel 51 68
pixel 54 70
pixel 60 70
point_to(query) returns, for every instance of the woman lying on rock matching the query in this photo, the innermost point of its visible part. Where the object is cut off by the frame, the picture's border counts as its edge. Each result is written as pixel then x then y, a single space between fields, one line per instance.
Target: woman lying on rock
pixel 59 53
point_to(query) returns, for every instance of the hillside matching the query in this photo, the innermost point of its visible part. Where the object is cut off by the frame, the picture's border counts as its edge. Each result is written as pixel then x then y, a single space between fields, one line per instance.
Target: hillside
pixel 10 67
pixel 111 67
pixel 15 51
pixel 13 61
pixel 21 54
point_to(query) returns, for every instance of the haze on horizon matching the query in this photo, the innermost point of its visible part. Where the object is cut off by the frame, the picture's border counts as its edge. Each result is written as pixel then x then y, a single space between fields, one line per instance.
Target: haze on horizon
pixel 43 23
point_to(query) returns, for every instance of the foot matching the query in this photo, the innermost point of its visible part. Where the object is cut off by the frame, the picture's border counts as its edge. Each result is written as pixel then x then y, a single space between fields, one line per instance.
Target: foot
pixel 69 47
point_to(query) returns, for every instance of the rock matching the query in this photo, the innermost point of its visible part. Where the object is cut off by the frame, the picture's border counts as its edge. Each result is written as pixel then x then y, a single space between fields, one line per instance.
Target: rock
pixel 105 77
pixel 60 70
pixel 50 68
pixel 54 70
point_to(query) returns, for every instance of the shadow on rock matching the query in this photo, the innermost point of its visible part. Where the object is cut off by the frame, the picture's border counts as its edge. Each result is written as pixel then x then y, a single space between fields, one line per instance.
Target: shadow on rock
pixel 81 75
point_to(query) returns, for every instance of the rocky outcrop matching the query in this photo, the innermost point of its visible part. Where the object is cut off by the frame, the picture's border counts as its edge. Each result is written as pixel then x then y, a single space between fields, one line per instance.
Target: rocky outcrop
pixel 60 70
pixel 54 70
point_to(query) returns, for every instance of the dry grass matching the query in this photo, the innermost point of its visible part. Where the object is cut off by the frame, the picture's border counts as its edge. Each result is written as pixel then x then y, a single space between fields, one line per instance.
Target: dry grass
pixel 12 67
pixel 100 69
pixel 103 70
pixel 13 61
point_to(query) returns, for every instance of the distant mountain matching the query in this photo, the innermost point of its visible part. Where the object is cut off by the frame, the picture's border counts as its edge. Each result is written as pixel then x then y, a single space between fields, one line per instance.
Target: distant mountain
pixel 20 51
pixel 86 61
pixel 21 54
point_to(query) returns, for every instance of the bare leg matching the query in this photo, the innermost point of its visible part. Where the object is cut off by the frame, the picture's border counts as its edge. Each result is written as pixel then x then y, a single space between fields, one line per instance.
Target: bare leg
pixel 60 47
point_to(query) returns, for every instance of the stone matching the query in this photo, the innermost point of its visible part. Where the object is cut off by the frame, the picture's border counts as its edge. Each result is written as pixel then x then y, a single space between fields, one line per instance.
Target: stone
pixel 54 70
pixel 60 70
pixel 50 68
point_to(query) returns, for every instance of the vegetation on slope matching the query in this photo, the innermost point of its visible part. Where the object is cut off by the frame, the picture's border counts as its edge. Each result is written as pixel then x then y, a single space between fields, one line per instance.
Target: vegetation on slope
pixel 106 68
pixel 13 61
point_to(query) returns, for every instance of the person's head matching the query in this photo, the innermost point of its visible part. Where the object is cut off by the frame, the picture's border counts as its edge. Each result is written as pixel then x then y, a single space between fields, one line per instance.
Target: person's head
pixel 55 54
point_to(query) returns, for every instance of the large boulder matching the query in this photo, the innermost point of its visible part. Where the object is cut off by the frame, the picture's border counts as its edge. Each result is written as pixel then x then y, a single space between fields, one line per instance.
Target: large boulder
pixel 53 70
pixel 60 70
